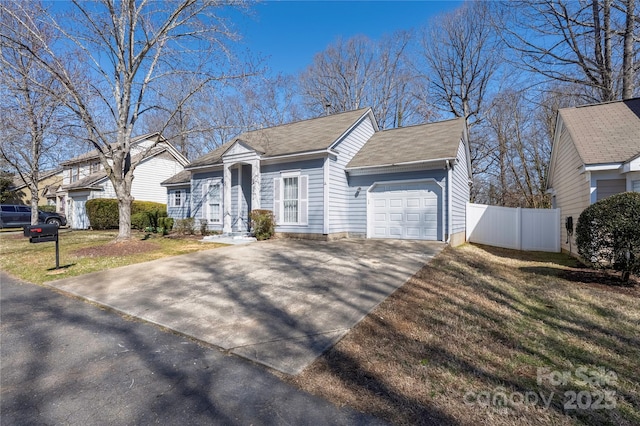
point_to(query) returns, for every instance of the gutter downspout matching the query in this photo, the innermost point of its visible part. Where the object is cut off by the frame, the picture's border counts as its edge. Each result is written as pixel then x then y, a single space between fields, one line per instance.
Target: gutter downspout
pixel 449 201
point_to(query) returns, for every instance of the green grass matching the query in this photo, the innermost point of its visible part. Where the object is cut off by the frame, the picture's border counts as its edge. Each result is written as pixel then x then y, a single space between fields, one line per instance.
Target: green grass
pixel 82 252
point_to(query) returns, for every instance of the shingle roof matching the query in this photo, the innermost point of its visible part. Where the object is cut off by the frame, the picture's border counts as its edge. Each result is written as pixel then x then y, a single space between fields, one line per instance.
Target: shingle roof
pixel 302 136
pixel 91 180
pixel 605 133
pixel 180 178
pixel 424 142
pixel 93 154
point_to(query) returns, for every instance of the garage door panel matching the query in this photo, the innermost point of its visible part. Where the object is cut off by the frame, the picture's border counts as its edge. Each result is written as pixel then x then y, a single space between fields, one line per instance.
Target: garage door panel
pixel 406 211
pixel 413 217
pixel 413 202
pixel 395 217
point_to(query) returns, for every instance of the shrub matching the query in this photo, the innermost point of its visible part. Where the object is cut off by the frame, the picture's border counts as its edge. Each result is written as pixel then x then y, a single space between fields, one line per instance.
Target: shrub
pixel 139 220
pixel 147 206
pixel 608 233
pixel 165 224
pixel 262 224
pixel 47 208
pixel 204 228
pixel 185 226
pixel 102 213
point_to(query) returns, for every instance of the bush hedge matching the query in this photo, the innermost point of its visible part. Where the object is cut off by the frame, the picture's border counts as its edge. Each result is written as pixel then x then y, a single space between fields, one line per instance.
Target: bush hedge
pixel 103 213
pixel 608 233
pixel 262 224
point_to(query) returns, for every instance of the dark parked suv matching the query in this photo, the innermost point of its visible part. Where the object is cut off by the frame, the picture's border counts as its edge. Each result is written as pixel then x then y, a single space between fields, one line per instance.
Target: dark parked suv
pixel 16 216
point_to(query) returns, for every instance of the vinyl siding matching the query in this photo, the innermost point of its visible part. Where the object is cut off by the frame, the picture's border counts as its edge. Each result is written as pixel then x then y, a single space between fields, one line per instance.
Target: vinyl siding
pixel 459 191
pixel 148 175
pixel 197 181
pixel 358 199
pixel 572 187
pixel 339 191
pixel 184 211
pixel 314 170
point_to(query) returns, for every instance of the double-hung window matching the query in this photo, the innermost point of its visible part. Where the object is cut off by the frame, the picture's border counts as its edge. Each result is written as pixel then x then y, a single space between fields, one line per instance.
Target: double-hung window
pixel 177 199
pixel 290 199
pixel 212 195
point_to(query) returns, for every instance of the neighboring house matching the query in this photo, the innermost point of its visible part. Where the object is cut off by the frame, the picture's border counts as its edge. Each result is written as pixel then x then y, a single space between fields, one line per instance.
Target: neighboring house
pixel 84 177
pixel 334 176
pixel 48 183
pixel 596 153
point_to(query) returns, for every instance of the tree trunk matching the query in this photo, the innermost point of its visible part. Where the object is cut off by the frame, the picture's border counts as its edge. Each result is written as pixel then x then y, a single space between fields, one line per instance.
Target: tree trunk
pixel 34 203
pixel 124 221
pixel 627 57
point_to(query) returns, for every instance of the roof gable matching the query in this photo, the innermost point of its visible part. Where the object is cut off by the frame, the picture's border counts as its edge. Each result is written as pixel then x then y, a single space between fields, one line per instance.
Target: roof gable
pixel 425 142
pixel 604 133
pixel 294 138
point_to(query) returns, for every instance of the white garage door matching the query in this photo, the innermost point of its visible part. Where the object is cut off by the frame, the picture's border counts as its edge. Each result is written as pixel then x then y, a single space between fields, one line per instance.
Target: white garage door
pixel 405 211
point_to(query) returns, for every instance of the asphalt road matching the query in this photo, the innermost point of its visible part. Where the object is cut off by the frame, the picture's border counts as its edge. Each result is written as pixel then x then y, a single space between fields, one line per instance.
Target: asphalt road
pixel 64 361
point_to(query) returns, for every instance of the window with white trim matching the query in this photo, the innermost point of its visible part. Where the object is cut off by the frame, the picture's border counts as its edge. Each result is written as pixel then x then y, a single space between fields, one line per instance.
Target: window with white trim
pixel 635 185
pixel 212 196
pixel 290 199
pixel 177 199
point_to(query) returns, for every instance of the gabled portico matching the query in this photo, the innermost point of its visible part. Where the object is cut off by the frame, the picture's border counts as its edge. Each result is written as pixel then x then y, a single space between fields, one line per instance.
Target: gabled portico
pixel 241 186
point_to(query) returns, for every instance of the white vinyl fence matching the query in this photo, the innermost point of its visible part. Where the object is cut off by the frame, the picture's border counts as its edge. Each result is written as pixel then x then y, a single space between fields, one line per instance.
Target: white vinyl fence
pixel 514 228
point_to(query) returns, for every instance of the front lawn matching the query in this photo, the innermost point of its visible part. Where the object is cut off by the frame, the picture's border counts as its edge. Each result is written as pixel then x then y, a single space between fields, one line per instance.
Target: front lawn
pixel 82 252
pixel 492 336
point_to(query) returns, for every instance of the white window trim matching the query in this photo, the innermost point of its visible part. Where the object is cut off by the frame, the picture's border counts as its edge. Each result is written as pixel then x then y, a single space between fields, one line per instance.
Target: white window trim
pixel 205 201
pixel 174 197
pixel 303 203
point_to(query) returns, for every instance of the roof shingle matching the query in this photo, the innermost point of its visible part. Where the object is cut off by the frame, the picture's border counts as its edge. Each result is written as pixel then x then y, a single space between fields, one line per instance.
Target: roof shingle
pixel 302 136
pixel 605 133
pixel 432 141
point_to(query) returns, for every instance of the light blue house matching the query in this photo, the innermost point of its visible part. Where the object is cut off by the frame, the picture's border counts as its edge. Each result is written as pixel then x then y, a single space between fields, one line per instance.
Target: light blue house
pixel 333 177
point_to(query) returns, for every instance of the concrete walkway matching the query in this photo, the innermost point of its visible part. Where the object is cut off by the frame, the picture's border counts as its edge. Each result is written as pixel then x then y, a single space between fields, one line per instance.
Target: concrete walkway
pixel 280 303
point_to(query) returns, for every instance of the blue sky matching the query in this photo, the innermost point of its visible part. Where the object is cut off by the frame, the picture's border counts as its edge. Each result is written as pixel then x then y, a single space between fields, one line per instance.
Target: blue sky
pixel 289 33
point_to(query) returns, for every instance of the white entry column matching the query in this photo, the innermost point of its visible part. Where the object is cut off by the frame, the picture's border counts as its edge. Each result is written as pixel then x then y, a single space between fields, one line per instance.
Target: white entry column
pixel 226 199
pixel 256 179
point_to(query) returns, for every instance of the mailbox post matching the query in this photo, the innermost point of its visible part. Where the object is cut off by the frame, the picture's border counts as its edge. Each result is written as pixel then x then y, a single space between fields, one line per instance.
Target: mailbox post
pixel 42 234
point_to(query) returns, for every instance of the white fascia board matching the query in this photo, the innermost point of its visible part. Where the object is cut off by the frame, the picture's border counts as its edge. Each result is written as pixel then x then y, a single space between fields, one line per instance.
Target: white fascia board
pixel 297 156
pixel 439 163
pixel 208 166
pixel 369 113
pixel 601 167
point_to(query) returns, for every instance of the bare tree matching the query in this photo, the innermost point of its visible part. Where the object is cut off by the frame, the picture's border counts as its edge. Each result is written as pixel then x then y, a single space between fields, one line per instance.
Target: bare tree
pixel 462 54
pixel 359 72
pixel 126 50
pixel 30 113
pixel 592 43
pixel 216 114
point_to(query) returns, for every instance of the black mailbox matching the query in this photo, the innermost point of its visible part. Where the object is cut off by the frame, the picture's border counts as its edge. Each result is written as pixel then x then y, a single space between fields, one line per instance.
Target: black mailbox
pixel 42 233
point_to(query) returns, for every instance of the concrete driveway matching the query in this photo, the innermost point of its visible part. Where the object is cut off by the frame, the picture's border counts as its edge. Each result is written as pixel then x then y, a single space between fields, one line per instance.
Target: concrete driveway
pixel 280 303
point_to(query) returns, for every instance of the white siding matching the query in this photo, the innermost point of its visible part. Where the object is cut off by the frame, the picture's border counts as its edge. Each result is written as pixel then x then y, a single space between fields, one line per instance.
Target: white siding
pixel 339 191
pixel 148 175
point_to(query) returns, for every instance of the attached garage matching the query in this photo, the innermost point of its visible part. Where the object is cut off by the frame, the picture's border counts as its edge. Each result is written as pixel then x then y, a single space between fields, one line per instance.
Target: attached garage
pixel 405 210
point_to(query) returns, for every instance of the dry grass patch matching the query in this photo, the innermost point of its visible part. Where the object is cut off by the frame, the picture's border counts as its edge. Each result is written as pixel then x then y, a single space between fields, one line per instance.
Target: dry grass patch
pixel 478 322
pixel 82 252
